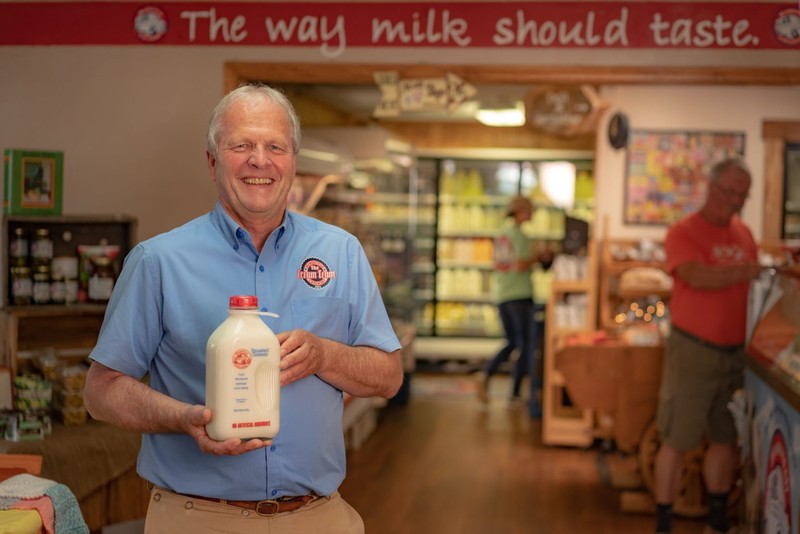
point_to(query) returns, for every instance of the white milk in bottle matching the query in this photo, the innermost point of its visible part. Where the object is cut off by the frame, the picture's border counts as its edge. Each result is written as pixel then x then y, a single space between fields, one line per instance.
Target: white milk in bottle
pixel 242 374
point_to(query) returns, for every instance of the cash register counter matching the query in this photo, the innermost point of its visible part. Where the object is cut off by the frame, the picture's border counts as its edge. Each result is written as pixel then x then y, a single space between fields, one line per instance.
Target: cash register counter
pixel 97 462
pixel 770 418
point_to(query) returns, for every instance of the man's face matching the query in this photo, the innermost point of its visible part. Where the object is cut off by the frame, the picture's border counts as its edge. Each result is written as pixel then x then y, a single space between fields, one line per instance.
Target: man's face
pixel 255 163
pixel 732 190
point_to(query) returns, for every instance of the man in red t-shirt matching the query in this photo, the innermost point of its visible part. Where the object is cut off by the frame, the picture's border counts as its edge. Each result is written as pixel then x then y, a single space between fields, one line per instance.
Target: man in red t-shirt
pixel 712 258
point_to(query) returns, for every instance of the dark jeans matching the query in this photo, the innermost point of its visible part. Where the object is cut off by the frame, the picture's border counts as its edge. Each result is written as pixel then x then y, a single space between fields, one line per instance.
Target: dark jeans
pixel 517 319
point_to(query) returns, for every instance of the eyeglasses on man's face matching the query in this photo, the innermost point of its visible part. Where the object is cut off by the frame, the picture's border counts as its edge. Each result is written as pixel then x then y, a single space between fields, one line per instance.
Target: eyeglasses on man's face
pixel 733 193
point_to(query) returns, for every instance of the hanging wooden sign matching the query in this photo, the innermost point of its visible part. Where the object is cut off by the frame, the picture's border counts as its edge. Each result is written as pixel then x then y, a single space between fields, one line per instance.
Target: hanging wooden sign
pixel 566 111
pixel 423 94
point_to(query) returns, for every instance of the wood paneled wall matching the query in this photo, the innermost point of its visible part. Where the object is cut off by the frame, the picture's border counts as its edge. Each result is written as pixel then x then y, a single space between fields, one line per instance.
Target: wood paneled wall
pixel 776 134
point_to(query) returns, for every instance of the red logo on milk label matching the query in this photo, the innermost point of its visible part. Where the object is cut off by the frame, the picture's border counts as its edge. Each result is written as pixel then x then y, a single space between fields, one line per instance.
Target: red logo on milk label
pixel 242 359
pixel 315 273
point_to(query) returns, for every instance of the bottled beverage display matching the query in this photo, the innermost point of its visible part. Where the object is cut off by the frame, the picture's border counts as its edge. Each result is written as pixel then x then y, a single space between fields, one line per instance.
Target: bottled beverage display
pixel 243 374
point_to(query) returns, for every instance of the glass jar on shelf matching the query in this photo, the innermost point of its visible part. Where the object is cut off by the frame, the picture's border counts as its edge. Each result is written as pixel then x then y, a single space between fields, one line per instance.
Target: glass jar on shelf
pixel 21 285
pixel 101 280
pixel 41 284
pixel 18 248
pixel 42 248
pixel 58 289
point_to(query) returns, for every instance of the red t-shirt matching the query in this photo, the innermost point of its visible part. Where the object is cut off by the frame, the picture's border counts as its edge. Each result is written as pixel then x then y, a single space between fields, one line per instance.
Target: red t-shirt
pixel 716 315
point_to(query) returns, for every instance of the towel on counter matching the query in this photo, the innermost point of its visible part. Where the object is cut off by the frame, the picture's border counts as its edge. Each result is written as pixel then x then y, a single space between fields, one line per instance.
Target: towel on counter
pixel 24 486
pixel 67 513
pixel 69 519
pixel 43 505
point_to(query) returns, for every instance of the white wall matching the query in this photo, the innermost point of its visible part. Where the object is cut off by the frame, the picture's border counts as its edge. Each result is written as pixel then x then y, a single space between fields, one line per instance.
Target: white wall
pixel 688 108
pixel 131 119
pixel 131 123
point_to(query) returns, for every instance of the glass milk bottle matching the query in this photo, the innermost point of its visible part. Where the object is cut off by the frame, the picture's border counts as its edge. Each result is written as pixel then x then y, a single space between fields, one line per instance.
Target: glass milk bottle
pixel 242 374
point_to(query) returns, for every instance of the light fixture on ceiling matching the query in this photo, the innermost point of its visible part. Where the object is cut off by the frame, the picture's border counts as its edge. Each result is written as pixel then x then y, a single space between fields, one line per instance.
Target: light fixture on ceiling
pixel 501 113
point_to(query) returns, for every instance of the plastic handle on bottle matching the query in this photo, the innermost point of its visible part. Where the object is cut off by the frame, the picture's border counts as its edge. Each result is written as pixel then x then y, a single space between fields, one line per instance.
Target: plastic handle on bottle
pixel 253 312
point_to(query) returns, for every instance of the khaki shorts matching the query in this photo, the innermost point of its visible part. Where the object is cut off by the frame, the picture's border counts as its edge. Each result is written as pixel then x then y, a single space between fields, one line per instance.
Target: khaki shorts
pixel 697 383
pixel 170 512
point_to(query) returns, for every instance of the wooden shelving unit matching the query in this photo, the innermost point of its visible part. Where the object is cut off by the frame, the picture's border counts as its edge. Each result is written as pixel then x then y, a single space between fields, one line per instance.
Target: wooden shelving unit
pixel 70 330
pixel 611 269
pixel 562 423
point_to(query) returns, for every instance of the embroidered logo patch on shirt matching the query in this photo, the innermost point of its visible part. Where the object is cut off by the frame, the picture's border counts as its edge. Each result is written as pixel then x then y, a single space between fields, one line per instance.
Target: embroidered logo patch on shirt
pixel 315 273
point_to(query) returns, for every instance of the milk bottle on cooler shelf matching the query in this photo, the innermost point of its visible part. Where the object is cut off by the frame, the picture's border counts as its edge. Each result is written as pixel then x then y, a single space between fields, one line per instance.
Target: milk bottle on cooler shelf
pixel 242 374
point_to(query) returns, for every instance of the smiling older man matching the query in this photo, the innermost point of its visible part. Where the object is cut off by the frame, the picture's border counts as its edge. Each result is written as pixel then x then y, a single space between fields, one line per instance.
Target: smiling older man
pixel 173 292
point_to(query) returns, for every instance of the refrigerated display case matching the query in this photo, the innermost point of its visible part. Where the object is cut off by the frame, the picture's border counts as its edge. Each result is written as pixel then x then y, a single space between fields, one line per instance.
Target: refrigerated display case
pixel 377 198
pixel 427 224
pixel 452 265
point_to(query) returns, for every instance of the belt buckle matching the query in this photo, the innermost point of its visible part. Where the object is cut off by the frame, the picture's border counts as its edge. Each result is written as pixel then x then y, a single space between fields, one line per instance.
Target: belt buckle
pixel 274 504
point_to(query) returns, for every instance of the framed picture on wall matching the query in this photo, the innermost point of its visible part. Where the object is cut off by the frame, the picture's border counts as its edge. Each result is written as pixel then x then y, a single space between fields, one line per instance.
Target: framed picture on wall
pixel 33 182
pixel 667 172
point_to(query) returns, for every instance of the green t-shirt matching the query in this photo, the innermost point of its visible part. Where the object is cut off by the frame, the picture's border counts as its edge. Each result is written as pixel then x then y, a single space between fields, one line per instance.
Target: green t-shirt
pixel 512 245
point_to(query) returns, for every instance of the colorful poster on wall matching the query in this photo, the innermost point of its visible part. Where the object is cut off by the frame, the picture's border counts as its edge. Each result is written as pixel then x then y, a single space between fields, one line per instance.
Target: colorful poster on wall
pixel 667 172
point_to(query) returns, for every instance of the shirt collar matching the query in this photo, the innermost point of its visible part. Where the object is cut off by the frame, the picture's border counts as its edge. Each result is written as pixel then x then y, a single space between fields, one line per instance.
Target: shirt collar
pixel 235 234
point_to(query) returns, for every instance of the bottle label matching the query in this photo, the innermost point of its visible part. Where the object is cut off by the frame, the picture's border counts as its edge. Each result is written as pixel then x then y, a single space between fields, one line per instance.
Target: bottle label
pixel 70 291
pixel 100 288
pixel 19 248
pixel 58 291
pixel 41 292
pixel 251 424
pixel 42 249
pixel 22 288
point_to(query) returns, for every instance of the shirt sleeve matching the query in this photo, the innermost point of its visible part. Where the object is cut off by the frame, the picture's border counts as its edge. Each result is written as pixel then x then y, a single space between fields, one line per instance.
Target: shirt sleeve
pixel 131 330
pixel 679 248
pixel 371 325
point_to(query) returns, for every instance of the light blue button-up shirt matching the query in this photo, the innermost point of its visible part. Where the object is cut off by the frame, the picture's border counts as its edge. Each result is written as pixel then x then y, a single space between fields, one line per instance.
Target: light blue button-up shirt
pixel 173 292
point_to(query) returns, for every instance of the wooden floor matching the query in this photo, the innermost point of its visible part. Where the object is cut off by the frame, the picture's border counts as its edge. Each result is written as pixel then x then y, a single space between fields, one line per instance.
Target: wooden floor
pixel 445 464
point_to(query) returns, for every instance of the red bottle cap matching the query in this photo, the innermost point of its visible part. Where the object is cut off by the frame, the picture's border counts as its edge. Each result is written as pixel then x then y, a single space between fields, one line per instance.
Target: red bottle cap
pixel 243 301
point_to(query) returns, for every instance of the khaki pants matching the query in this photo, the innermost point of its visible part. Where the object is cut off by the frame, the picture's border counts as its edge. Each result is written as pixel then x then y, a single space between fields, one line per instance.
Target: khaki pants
pixel 170 512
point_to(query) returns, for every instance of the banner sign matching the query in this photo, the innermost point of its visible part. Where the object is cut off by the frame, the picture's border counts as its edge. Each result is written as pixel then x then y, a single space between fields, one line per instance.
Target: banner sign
pixel 334 26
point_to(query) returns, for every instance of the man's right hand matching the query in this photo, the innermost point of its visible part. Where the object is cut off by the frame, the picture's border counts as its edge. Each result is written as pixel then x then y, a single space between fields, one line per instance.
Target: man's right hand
pixel 197 417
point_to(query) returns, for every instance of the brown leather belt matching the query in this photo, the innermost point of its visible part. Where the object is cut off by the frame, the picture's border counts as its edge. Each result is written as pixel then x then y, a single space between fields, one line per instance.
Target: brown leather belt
pixel 267 507
pixel 709 344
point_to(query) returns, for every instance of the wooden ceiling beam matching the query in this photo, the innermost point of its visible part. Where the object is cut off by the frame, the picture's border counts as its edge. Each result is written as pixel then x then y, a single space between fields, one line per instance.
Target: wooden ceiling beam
pixel 238 72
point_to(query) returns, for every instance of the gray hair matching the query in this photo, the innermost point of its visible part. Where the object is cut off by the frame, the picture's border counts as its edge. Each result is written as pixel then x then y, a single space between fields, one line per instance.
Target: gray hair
pixel 252 93
pixel 719 168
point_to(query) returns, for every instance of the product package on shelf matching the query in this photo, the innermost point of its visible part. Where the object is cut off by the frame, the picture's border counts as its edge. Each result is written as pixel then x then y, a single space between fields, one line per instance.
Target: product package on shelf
pixel 97 271
pixel 53 386
pixel 68 395
pixel 27 426
pixel 32 392
pixel 30 419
